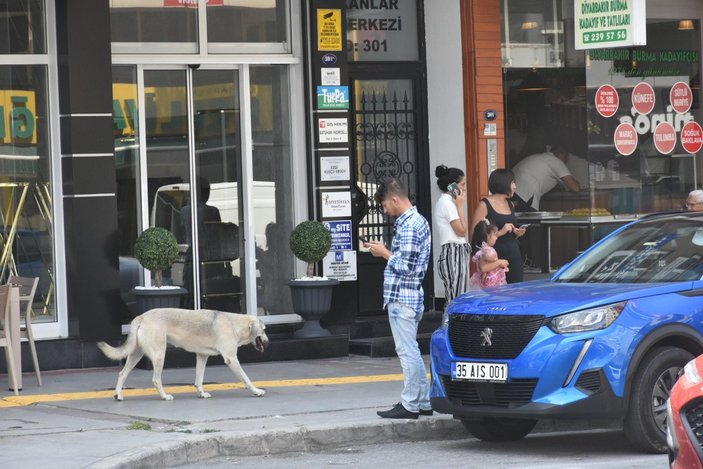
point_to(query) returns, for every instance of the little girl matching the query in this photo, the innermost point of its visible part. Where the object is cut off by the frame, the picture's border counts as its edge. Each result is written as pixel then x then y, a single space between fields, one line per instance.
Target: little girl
pixel 490 271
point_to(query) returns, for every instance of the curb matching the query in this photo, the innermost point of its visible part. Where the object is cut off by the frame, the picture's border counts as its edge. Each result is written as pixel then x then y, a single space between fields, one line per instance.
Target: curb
pixel 303 439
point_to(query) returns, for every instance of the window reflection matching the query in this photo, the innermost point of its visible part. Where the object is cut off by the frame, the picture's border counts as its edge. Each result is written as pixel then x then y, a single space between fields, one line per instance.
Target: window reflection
pixel 22 28
pixel 246 21
pixel 146 21
pixel 26 222
pixel 273 209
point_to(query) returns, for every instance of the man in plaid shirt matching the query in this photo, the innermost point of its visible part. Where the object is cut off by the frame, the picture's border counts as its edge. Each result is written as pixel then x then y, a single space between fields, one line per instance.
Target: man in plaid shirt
pixel 403 294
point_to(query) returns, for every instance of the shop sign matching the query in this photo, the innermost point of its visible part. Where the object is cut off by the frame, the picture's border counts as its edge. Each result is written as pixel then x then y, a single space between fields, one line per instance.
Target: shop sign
pixel 625 139
pixel 341 234
pixel 643 98
pixel 329 29
pixel 681 97
pixel 607 101
pixel 609 23
pixel 382 30
pixel 334 168
pixel 332 97
pixel 330 77
pixel 336 204
pixel 665 138
pixel 333 130
pixel 692 137
pixel 340 265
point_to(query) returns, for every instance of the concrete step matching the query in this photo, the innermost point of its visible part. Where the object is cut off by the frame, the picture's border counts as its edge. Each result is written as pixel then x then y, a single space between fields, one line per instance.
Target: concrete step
pixel 376 347
pixel 378 326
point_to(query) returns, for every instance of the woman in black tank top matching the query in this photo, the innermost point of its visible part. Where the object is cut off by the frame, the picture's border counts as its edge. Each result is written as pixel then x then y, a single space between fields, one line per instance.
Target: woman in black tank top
pixel 501 184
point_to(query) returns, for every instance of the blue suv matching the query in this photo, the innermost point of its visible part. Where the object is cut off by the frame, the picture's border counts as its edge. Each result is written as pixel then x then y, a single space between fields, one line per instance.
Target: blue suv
pixel 606 336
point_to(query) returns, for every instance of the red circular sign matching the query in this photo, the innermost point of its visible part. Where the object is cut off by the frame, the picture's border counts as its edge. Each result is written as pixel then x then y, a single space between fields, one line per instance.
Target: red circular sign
pixel 643 98
pixel 692 137
pixel 625 139
pixel 665 138
pixel 607 101
pixel 681 97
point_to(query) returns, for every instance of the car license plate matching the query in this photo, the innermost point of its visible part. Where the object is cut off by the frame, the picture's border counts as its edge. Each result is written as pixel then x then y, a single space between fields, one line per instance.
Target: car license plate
pixel 477 371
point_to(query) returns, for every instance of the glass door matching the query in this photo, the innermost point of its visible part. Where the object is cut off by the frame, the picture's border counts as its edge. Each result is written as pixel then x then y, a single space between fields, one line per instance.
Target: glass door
pixel 193 172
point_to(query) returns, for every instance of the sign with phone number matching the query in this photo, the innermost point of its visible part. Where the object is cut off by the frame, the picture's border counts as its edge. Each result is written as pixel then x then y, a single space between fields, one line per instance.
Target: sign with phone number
pixel 605 36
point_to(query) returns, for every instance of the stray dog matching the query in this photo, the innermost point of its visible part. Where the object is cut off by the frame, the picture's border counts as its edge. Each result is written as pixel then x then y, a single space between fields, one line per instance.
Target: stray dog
pixel 203 332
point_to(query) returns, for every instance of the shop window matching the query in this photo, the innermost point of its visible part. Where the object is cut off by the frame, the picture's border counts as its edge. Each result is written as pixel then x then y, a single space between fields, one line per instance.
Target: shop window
pixel 146 26
pixel 26 206
pixel 22 27
pixel 261 26
pixel 621 176
pixel 273 208
pixel 172 26
pixel 533 34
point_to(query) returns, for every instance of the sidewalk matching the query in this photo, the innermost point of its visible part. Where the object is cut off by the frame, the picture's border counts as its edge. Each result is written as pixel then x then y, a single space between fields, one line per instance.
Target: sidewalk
pixel 309 405
pixel 324 403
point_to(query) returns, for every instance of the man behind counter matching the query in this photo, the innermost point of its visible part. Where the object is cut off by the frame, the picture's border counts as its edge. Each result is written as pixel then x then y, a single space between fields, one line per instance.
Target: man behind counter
pixel 537 174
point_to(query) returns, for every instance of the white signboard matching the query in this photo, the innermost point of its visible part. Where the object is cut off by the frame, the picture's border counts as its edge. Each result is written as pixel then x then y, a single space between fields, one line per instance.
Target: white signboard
pixel 334 168
pixel 330 77
pixel 601 24
pixel 333 130
pixel 340 265
pixel 336 204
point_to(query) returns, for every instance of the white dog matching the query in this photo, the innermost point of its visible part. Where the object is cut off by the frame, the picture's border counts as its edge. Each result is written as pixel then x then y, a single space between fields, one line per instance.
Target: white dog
pixel 203 332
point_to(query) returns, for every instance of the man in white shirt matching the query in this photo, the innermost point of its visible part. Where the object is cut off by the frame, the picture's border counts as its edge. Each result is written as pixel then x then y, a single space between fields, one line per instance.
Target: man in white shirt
pixel 537 174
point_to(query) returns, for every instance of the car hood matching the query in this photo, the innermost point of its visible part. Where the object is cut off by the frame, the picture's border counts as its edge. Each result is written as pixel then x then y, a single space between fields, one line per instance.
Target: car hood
pixel 551 298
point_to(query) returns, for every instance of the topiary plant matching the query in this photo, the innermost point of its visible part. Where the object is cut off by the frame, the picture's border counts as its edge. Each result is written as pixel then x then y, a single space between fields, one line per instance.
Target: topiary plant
pixel 156 249
pixel 310 241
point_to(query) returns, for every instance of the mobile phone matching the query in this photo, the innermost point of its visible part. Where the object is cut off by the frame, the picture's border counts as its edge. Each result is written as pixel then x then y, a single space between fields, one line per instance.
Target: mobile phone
pixel 453 189
pixel 363 239
pixel 524 226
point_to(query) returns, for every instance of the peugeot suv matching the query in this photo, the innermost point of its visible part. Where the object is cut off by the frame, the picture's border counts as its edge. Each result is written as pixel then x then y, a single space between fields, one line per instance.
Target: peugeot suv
pixel 606 336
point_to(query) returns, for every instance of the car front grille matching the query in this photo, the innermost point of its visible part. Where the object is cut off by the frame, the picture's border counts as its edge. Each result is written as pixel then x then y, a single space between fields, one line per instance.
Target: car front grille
pixel 508 334
pixel 515 393
pixel 694 417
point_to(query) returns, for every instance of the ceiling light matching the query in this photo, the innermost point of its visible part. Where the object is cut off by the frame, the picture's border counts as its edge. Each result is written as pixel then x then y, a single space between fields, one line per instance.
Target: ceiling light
pixel 684 25
pixel 533 25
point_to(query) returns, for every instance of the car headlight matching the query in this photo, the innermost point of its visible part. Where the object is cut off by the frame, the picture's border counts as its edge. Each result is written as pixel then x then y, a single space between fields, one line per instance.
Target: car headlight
pixel 587 320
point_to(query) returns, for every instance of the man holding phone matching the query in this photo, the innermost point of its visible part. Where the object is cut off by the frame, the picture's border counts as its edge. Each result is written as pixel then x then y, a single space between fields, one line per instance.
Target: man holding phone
pixel 403 295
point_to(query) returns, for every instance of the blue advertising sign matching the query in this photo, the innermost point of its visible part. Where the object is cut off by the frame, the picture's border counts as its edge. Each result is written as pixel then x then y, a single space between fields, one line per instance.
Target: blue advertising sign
pixel 341 231
pixel 332 97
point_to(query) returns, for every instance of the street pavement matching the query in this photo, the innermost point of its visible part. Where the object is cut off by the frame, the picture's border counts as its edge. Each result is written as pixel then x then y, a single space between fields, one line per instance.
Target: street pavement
pixel 310 405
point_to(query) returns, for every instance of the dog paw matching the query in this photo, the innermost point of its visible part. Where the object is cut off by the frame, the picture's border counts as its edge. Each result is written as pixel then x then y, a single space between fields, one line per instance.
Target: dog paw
pixel 167 397
pixel 258 392
pixel 204 395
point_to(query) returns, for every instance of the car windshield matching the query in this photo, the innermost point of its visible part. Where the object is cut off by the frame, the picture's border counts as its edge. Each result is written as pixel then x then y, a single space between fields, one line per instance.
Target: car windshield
pixel 651 251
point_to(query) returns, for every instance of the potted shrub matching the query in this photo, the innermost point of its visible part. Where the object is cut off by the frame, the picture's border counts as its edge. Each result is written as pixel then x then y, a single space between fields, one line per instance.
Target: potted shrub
pixel 311 295
pixel 156 250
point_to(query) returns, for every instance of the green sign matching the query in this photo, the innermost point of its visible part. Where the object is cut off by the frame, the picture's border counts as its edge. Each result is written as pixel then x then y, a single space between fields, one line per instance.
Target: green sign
pixel 610 23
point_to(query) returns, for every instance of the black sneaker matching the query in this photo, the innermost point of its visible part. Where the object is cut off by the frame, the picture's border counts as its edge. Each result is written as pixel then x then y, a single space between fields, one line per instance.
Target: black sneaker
pixel 398 412
pixel 427 412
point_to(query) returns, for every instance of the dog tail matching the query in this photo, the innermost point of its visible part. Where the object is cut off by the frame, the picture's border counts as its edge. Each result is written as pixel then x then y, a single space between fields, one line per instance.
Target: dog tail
pixel 118 353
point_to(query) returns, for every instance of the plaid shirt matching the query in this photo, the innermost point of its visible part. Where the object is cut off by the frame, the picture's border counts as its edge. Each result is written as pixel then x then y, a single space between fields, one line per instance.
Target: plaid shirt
pixel 410 254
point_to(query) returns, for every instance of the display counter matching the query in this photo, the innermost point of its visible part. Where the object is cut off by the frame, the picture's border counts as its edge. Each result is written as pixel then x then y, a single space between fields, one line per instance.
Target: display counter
pixel 586 226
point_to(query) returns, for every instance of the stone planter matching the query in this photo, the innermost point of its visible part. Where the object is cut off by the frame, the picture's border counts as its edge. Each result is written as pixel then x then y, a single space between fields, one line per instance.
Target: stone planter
pixel 312 300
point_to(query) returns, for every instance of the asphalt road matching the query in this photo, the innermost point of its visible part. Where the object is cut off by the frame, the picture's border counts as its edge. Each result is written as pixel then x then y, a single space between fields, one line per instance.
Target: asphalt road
pixel 597 449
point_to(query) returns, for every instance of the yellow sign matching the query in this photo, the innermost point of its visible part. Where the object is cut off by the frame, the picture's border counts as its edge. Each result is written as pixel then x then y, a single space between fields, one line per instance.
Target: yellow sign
pixel 329 29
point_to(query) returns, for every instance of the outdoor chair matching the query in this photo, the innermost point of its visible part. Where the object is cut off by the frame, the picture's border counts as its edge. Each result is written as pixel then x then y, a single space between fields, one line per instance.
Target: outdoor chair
pixel 5 337
pixel 28 287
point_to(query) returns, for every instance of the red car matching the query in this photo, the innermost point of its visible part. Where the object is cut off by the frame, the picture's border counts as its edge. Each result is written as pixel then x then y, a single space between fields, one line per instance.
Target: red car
pixel 684 433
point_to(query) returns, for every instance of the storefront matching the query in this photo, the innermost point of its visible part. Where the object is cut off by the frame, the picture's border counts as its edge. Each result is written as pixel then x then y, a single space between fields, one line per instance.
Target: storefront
pixel 129 114
pixel 629 116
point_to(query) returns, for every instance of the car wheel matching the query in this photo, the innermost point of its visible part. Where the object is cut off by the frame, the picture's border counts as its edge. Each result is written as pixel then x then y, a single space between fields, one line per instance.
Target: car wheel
pixel 499 429
pixel 645 423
